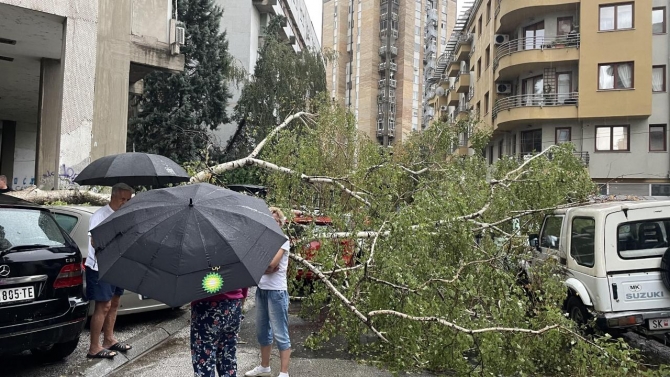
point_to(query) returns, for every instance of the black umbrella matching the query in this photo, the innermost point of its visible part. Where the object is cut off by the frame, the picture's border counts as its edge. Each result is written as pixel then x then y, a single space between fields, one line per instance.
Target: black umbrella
pixel 135 169
pixel 185 243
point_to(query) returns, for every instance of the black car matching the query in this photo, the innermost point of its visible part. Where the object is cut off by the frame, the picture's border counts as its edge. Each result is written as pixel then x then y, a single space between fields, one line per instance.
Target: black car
pixel 42 303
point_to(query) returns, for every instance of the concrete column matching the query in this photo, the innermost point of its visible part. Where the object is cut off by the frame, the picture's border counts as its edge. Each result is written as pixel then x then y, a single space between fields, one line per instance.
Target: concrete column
pixel 49 124
pixel 110 112
pixel 7 150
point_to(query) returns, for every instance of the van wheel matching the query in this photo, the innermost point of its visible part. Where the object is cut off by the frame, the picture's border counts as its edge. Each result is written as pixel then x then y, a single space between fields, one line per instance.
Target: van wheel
pixel 577 311
pixel 55 352
pixel 665 269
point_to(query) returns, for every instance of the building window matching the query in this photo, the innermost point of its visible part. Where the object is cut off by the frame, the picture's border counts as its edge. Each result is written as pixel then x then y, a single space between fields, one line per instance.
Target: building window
pixel 658 138
pixel 500 149
pixel 488 11
pixel 563 135
pixel 486 103
pixel 490 154
pixel 479 68
pixel 531 141
pixel 478 109
pixel 487 56
pixel 563 26
pixel 658 20
pixel 612 138
pixel 513 144
pixel 658 78
pixel 616 17
pixel 479 26
pixel 615 76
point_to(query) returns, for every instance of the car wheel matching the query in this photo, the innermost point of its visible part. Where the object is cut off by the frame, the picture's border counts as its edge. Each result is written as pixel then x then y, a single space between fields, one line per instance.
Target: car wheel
pixel 577 311
pixel 55 352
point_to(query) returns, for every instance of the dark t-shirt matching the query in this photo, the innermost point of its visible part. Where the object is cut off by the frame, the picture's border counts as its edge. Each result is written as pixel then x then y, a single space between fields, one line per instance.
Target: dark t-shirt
pixel 2 191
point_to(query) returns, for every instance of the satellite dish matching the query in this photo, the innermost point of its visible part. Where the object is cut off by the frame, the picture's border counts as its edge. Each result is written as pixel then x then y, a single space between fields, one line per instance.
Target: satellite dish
pixel 439 91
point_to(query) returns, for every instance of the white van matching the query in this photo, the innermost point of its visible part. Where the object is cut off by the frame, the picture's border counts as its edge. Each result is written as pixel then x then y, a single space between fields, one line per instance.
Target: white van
pixel 617 256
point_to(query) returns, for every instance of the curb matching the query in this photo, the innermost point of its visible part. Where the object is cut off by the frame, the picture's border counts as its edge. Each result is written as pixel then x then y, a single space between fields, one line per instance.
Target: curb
pixel 147 340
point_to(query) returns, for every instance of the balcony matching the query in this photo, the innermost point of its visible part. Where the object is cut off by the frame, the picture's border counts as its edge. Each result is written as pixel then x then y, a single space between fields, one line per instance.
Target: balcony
pixel 383 97
pixel 531 54
pixel 392 66
pixel 431 15
pixel 385 32
pixel 384 49
pixel 392 83
pixel 452 97
pixel 462 83
pixel 384 16
pixel 463 47
pixel 462 112
pixel 265 6
pixel 431 32
pixel 511 13
pixel 512 111
pixel 453 68
pixel 431 48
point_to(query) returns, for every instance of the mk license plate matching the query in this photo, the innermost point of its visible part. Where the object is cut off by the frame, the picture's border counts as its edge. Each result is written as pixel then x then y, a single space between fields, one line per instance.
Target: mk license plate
pixel 659 324
pixel 17 294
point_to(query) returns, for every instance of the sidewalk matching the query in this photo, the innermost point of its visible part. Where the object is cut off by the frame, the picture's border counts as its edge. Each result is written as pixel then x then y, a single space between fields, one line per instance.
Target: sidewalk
pixel 173 358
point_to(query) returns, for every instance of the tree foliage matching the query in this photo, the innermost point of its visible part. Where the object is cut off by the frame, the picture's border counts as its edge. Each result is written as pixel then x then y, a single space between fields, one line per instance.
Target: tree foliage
pixel 438 284
pixel 178 111
pixel 283 83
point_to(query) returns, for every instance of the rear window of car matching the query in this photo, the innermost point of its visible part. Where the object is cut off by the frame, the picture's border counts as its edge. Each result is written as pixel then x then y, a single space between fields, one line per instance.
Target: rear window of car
pixel 643 239
pixel 66 222
pixel 20 226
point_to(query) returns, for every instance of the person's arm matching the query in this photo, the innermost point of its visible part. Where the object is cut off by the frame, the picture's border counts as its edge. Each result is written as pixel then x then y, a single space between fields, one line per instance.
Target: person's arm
pixel 274 265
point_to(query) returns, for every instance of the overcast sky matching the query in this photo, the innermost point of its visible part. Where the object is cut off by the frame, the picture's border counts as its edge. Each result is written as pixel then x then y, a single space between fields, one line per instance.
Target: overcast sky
pixel 315 7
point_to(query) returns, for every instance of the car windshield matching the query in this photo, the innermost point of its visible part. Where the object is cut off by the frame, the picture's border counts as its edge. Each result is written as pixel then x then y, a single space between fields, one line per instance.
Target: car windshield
pixel 643 239
pixel 23 227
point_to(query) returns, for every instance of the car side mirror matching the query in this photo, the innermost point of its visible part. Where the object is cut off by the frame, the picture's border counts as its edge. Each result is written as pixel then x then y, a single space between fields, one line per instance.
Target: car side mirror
pixel 533 241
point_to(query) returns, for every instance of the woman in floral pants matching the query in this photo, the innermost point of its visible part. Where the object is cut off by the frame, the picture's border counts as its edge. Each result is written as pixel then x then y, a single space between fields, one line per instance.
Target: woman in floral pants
pixel 215 322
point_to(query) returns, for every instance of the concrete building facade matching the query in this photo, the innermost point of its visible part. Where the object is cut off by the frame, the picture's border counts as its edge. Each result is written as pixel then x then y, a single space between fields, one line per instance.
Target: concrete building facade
pixel 539 73
pixel 244 22
pixel 67 70
pixel 384 49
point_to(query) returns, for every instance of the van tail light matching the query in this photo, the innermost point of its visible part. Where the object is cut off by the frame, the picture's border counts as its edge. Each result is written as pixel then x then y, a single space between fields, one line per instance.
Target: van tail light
pixel 71 275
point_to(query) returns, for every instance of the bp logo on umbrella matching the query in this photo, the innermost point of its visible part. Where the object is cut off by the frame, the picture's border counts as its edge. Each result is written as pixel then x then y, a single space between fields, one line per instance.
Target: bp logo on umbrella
pixel 185 243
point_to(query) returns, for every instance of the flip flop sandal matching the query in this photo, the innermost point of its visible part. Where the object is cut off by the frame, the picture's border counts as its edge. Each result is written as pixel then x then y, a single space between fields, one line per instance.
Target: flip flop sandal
pixel 104 354
pixel 121 347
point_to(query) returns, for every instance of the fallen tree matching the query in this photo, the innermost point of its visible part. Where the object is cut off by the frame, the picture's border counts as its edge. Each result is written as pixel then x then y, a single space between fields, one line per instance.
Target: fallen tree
pixel 441 240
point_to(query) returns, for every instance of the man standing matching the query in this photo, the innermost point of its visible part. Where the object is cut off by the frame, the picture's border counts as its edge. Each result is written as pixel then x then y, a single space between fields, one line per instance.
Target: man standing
pixel 3 185
pixel 105 295
pixel 272 310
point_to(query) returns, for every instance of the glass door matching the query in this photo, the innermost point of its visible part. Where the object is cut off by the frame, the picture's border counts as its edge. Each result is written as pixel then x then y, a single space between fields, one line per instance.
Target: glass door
pixel 563 86
pixel 533 90
pixel 534 36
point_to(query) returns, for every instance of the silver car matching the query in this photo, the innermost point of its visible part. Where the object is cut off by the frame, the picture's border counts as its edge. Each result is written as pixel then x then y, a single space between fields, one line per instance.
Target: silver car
pixel 75 220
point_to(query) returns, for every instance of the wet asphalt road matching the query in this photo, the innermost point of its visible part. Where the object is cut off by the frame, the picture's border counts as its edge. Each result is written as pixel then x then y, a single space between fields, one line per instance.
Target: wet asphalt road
pixel 25 365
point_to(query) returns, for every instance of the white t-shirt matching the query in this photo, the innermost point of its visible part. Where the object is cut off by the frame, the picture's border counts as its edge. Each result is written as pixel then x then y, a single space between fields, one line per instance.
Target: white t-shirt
pixel 276 281
pixel 98 217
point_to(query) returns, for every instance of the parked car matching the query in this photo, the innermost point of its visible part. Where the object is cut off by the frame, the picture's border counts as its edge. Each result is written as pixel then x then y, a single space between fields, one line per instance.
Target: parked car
pixel 75 220
pixel 42 303
pixel 298 227
pixel 617 257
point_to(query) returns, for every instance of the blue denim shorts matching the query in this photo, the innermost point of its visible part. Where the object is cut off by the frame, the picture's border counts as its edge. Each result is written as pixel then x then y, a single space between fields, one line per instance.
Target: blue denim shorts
pixel 98 290
pixel 272 321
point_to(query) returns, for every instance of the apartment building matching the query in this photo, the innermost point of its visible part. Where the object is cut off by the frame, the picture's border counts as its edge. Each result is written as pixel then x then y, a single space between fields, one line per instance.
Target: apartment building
pixel 385 48
pixel 244 22
pixel 545 72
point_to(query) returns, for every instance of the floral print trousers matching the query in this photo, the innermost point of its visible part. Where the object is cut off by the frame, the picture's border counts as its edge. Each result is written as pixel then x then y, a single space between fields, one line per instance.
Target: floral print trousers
pixel 214 328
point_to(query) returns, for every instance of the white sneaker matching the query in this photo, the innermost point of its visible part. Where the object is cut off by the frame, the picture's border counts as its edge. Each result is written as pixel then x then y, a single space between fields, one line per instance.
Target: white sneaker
pixel 259 371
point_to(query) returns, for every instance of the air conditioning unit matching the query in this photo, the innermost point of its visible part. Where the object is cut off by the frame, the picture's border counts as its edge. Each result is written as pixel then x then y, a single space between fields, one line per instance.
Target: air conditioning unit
pixel 501 38
pixel 504 88
pixel 180 35
pixel 444 108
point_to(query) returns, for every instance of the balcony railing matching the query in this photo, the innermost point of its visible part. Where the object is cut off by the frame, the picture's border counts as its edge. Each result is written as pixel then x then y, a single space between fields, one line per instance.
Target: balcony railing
pixel 583 156
pixel 536 100
pixel 385 32
pixel 393 49
pixel 393 66
pixel 535 43
pixel 392 83
pixel 432 14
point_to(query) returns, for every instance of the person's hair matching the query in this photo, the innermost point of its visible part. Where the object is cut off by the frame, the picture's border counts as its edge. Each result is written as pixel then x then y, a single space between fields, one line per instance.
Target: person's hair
pixel 279 213
pixel 3 178
pixel 121 187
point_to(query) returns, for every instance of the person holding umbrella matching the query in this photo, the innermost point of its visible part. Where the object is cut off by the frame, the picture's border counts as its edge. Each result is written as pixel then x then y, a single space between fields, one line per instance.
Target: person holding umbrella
pixel 272 310
pixel 105 295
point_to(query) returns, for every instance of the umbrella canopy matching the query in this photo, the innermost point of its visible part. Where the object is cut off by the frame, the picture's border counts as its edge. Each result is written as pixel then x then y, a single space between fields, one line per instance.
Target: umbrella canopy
pixel 135 169
pixel 185 243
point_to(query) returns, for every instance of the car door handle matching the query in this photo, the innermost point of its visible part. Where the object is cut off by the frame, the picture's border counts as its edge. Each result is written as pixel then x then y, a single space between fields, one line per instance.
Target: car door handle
pixel 615 293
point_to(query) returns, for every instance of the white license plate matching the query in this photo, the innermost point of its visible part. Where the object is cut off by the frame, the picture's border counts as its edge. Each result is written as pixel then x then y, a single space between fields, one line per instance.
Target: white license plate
pixel 17 294
pixel 658 324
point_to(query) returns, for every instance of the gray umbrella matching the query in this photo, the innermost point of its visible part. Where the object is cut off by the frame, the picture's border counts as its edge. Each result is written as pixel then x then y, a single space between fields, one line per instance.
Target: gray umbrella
pixel 174 245
pixel 135 169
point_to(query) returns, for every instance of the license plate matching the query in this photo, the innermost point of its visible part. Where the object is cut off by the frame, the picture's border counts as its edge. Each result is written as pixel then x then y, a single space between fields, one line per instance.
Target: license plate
pixel 17 294
pixel 658 324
